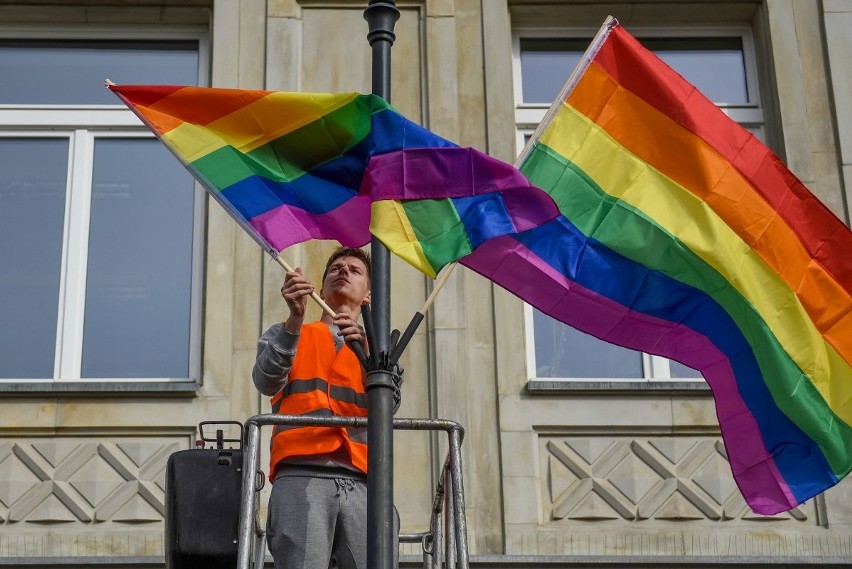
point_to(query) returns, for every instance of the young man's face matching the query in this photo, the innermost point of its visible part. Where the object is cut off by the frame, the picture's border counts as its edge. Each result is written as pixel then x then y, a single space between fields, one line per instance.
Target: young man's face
pixel 347 279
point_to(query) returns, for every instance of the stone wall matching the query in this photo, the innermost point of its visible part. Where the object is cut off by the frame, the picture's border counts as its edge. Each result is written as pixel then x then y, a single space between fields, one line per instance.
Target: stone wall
pixel 609 473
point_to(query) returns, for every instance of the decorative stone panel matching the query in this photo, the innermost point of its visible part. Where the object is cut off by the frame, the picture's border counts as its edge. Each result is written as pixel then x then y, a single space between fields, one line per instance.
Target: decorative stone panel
pixel 672 479
pixel 84 481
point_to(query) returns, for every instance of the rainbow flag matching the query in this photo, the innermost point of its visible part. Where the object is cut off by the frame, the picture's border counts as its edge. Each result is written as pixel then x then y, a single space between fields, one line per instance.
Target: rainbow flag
pixel 682 235
pixel 290 167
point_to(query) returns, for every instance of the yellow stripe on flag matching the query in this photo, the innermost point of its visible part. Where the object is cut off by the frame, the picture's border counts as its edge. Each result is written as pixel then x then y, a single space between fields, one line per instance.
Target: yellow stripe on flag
pixel 254 125
pixel 682 214
pixel 390 224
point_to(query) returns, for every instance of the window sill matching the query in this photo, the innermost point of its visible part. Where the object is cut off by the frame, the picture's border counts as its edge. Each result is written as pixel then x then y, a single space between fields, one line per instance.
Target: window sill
pixel 167 388
pixel 556 386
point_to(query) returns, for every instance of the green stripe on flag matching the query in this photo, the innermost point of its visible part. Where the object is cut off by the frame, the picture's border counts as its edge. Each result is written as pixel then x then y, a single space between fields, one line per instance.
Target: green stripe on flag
pixel 631 233
pixel 290 156
pixel 439 229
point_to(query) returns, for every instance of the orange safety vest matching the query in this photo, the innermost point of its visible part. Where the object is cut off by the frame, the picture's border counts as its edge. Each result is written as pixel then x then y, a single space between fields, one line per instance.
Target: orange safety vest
pixel 322 382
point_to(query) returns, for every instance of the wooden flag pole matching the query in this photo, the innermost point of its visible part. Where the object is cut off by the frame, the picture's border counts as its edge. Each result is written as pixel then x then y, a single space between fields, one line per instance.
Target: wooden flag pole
pixel 402 342
pixel 439 284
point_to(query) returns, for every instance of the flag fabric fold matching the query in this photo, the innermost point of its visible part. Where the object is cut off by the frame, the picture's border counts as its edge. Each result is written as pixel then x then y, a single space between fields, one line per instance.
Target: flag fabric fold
pixel 641 214
pixel 290 167
pixel 684 236
pixel 484 198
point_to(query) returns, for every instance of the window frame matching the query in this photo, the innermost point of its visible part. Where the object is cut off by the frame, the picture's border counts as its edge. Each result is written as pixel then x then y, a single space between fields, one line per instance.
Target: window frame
pixel 750 114
pixel 82 125
pixel 656 372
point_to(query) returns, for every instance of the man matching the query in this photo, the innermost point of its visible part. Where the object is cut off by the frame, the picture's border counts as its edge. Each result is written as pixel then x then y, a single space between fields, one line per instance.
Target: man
pixel 318 507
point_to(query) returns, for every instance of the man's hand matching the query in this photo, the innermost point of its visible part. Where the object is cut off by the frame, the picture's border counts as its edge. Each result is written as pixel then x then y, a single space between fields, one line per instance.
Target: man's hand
pixel 296 290
pixel 350 330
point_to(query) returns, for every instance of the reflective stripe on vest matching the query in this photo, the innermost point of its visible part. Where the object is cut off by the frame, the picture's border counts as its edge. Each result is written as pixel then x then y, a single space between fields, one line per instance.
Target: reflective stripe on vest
pixel 323 382
pixel 338 392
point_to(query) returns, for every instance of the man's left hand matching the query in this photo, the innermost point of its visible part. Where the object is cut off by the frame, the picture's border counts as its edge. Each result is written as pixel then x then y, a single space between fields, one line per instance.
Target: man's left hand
pixel 350 330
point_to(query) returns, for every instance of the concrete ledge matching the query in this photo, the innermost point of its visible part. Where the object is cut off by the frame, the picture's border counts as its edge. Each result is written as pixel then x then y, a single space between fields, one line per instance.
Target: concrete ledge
pixel 619 562
pixel 140 562
pixel 555 386
pixel 481 561
pixel 100 387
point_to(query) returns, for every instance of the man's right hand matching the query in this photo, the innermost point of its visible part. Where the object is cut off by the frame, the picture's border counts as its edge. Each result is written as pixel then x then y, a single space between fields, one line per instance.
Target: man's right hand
pixel 296 290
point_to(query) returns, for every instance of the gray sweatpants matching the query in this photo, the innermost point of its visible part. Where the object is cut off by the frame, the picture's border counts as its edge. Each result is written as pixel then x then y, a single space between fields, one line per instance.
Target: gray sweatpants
pixel 315 523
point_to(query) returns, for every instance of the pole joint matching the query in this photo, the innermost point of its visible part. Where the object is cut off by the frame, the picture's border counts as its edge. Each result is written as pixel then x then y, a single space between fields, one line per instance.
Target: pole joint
pixel 381 16
pixel 379 378
pixel 382 370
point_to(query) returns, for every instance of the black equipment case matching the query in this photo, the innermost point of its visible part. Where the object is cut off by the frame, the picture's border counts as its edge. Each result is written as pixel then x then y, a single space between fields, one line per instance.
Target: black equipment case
pixel 203 487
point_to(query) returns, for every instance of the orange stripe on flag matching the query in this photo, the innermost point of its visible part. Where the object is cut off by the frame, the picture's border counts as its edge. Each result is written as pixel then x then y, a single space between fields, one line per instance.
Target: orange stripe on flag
pixel 201 106
pixel 692 163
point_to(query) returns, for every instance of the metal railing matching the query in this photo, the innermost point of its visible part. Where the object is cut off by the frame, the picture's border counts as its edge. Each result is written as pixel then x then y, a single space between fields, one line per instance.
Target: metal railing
pixel 444 545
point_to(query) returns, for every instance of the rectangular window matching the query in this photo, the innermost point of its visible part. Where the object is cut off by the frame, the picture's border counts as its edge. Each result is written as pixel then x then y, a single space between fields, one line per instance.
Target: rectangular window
pixel 701 61
pixel 32 213
pixel 72 72
pixel 100 226
pixel 139 261
pixel 720 63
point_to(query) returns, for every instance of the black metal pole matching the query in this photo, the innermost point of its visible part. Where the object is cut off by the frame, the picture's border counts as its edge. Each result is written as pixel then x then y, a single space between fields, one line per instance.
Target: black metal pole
pixel 381 16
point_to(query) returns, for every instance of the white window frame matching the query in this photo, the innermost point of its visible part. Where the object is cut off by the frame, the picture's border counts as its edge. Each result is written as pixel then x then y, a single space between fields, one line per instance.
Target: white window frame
pixel 82 126
pixel 655 369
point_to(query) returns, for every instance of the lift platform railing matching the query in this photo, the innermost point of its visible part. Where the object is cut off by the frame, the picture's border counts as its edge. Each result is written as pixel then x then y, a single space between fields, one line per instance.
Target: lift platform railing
pixel 444 544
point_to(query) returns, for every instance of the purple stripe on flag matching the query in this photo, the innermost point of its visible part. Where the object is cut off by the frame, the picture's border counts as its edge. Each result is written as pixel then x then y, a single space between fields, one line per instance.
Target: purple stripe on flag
pixel 529 209
pixel 509 263
pixel 286 225
pixel 438 173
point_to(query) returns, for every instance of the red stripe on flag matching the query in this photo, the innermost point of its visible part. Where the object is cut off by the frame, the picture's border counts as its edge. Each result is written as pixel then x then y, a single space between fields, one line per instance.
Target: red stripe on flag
pixel 195 105
pixel 823 235
pixel 145 95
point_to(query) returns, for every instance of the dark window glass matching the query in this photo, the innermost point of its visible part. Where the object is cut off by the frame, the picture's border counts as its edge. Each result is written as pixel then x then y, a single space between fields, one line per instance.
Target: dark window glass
pixel 61 72
pixel 562 351
pixel 33 181
pixel 138 292
pixel 716 66
pixel 680 371
pixel 140 252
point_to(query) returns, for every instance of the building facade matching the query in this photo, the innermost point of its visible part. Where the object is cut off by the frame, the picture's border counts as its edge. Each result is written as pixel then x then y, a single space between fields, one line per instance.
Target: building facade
pixel 131 305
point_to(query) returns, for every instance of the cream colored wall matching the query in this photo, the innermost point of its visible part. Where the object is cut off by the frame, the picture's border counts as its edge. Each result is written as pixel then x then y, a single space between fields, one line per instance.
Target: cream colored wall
pixel 455 343
pixel 618 474
pixel 799 59
pixel 330 61
pixel 92 467
pixel 461 323
pixel 837 19
pixel 82 475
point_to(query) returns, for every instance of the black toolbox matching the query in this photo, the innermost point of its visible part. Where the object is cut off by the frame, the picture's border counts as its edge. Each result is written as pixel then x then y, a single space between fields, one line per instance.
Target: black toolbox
pixel 203 488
